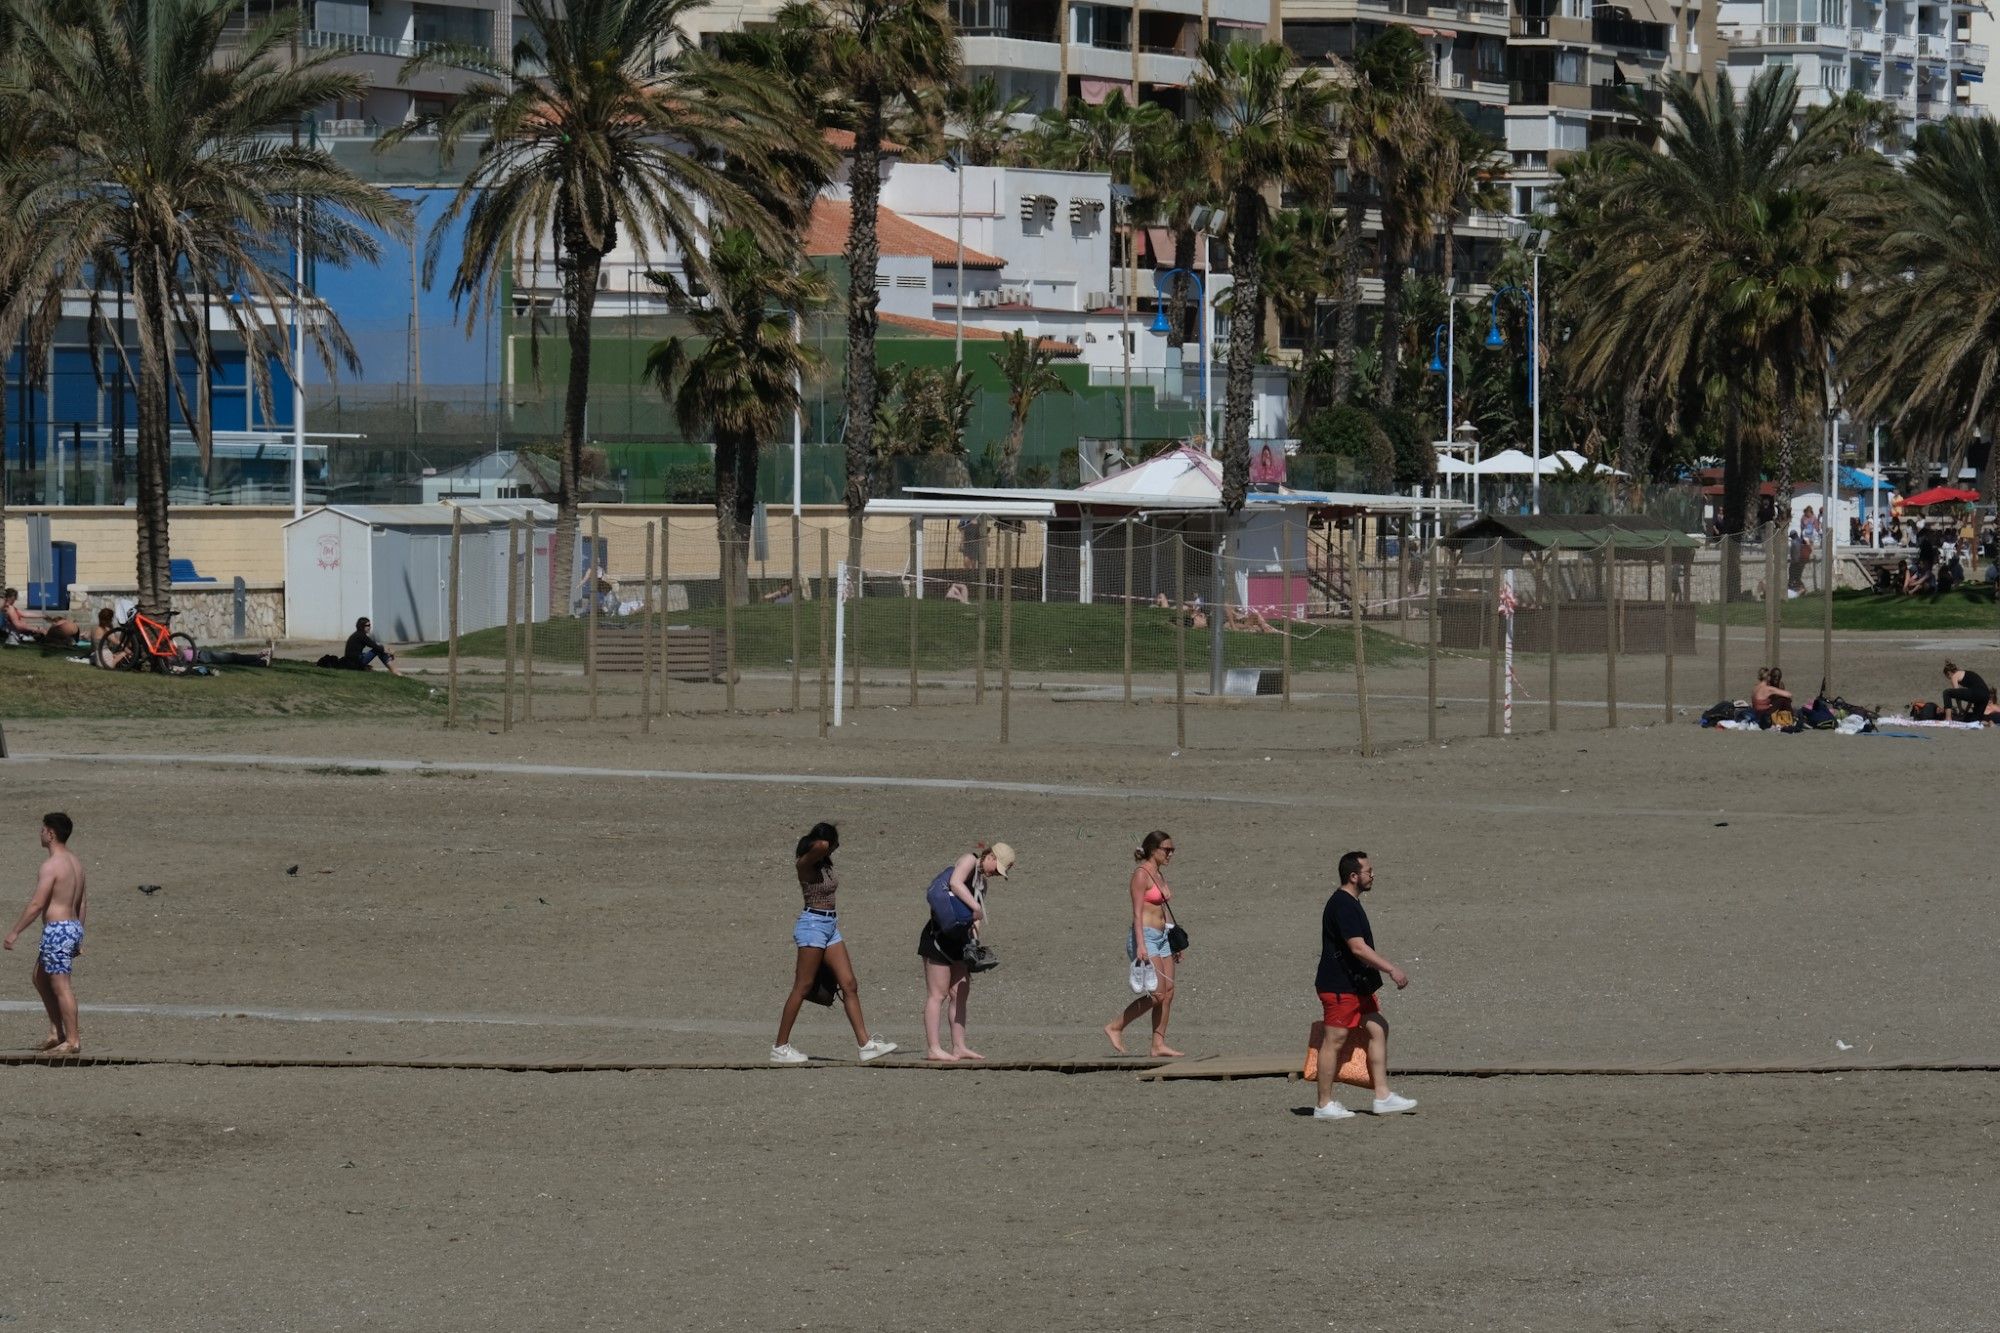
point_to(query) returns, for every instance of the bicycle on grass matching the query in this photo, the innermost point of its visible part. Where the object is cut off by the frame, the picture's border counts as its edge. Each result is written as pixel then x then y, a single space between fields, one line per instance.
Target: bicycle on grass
pixel 144 643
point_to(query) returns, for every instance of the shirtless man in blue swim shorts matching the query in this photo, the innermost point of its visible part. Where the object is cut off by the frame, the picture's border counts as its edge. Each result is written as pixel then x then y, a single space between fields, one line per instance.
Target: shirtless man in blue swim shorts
pixel 58 901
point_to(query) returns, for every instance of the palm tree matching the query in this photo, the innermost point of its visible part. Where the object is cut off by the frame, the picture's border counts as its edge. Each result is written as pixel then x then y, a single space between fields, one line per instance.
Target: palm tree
pixel 869 56
pixel 1926 341
pixel 1029 369
pixel 975 120
pixel 605 124
pixel 1175 175
pixel 1386 117
pixel 1273 125
pixel 1303 251
pixel 175 168
pixel 740 380
pixel 925 413
pixel 1711 274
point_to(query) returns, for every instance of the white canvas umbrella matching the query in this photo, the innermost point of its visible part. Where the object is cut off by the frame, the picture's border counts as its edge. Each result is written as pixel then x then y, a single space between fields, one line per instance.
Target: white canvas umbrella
pixel 1509 463
pixel 1578 463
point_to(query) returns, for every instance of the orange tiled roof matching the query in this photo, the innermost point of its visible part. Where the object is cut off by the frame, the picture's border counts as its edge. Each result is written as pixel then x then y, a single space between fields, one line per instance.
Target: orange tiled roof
pixel 944 328
pixel 826 236
pixel 842 141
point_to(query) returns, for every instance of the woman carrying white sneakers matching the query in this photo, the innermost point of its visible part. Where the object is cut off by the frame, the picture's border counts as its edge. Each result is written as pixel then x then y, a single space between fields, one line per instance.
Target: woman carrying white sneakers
pixel 817 935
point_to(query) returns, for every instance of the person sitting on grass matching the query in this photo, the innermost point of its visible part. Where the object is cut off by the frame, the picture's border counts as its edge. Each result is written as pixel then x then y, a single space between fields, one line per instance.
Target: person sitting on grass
pixel 1919 577
pixel 780 595
pixel 19 625
pixel 102 651
pixel 364 649
pixel 1250 619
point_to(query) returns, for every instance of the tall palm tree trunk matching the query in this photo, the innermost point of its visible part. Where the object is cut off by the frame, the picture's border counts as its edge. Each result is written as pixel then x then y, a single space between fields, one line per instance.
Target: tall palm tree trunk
pixel 1347 322
pixel 150 315
pixel 863 257
pixel 735 508
pixel 1246 326
pixel 582 296
pixel 1178 309
pixel 1010 449
pixel 1632 442
pixel 1788 440
pixel 1389 335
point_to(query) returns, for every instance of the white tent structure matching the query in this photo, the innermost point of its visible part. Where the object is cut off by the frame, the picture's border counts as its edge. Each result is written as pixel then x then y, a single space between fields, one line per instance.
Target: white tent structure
pixel 392 563
pixel 1515 463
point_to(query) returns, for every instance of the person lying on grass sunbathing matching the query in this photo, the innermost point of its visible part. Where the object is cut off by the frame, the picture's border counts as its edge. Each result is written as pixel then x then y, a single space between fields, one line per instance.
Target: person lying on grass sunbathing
pixel 53 630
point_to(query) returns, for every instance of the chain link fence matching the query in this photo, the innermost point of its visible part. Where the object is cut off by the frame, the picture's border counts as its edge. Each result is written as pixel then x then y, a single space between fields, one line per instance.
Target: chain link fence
pixel 1345 635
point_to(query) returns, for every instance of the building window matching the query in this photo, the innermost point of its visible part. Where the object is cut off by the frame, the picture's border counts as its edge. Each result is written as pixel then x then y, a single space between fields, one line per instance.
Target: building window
pixel 452 24
pixel 1101 25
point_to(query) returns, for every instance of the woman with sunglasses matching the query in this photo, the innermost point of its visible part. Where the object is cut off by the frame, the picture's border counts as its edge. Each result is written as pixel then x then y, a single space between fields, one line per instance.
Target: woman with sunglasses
pixel 1148 942
pixel 817 936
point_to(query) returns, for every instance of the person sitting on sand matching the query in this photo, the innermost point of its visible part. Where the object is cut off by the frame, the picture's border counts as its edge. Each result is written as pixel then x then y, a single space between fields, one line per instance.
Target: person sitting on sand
pixel 1967 696
pixel 18 624
pixel 1770 695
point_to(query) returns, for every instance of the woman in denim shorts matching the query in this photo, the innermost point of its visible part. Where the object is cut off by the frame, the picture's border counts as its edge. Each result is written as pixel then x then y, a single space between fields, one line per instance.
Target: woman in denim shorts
pixel 1147 941
pixel 817 935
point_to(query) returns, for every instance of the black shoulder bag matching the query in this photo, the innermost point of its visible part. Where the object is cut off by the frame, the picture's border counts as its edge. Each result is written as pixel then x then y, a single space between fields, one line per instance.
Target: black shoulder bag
pixel 1177 938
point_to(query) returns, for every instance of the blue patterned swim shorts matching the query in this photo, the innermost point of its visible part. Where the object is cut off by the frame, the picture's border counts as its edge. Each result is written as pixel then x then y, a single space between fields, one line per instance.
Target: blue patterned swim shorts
pixel 60 941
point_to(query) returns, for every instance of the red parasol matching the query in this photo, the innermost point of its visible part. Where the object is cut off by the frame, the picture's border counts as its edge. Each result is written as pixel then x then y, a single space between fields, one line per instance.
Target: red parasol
pixel 1942 495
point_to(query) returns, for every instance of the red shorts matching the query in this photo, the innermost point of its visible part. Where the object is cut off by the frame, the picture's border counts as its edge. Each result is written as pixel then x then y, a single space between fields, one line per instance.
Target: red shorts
pixel 1346 1011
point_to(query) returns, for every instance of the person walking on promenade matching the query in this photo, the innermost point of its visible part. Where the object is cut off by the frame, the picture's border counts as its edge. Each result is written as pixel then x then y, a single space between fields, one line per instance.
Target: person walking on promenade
pixel 817 935
pixel 1147 942
pixel 59 901
pixel 1350 972
pixel 957 901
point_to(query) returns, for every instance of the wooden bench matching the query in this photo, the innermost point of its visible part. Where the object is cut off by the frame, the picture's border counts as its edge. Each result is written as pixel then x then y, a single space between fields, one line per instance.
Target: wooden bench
pixel 692 654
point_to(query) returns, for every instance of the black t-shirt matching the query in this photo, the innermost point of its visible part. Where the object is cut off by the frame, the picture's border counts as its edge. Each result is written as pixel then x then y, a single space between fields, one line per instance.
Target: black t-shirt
pixel 1976 683
pixel 1343 919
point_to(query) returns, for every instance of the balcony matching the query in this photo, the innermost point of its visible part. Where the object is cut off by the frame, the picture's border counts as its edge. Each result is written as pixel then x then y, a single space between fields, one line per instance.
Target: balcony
pixel 1473 10
pixel 1047 35
pixel 1624 97
pixel 1866 42
pixel 1648 37
pixel 1968 53
pixel 1788 35
pixel 367 44
pixel 1550 92
pixel 1898 44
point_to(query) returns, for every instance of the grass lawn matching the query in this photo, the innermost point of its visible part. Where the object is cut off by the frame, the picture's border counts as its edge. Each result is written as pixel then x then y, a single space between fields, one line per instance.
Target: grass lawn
pixel 33 685
pixel 1047 637
pixel 1853 609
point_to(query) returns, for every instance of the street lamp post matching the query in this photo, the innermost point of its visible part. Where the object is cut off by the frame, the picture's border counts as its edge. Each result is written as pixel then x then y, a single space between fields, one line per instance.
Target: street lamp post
pixel 1495 338
pixel 1160 280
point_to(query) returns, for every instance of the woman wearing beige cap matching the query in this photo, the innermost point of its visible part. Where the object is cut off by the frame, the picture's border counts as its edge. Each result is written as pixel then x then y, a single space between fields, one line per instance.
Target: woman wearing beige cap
pixel 957 899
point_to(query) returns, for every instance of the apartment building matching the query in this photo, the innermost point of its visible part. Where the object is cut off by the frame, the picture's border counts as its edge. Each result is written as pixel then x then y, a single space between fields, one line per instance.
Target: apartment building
pixel 1052 50
pixel 1579 68
pixel 1918 56
pixel 374 38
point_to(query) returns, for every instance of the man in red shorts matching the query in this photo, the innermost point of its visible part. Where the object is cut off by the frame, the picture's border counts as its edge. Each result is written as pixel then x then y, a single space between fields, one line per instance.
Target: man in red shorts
pixel 1350 972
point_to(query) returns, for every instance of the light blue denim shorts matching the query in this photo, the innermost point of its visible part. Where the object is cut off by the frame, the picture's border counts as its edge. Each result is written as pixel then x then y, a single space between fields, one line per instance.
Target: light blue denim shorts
pixel 813 931
pixel 1156 944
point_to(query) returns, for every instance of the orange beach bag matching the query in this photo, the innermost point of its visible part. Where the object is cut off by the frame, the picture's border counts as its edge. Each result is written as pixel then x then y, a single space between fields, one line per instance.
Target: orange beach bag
pixel 1353 1058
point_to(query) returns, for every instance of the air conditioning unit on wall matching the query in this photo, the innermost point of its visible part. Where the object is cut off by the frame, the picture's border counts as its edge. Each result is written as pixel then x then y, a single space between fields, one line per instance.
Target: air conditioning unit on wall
pixel 1097 301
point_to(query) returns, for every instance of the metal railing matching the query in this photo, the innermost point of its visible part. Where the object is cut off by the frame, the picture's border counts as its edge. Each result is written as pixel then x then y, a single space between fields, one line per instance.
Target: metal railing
pixel 1045 35
pixel 1969 53
pixel 368 44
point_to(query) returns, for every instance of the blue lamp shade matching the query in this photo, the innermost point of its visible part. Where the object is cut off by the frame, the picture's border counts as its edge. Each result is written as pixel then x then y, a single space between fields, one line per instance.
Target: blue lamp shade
pixel 1160 319
pixel 1494 337
pixel 1436 367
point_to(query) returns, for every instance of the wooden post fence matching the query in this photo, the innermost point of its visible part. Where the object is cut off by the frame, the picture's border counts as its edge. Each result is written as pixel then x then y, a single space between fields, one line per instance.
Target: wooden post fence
pixel 451 680
pixel 513 611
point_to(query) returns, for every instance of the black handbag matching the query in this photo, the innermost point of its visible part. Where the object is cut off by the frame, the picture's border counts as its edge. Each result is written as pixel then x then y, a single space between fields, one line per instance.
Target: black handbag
pixel 1177 938
pixel 1366 980
pixel 825 989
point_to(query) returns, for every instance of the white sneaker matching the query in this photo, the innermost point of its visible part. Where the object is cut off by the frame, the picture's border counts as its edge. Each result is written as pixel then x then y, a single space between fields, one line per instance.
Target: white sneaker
pixel 788 1054
pixel 1332 1111
pixel 876 1049
pixel 1394 1105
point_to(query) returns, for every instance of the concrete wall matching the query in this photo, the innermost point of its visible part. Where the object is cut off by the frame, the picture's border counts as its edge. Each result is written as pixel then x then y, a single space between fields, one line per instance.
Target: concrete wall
pixel 204 610
pixel 224 541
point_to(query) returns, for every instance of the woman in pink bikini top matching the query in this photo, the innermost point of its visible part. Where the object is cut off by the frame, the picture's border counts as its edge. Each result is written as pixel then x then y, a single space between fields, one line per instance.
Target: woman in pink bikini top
pixel 1147 941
